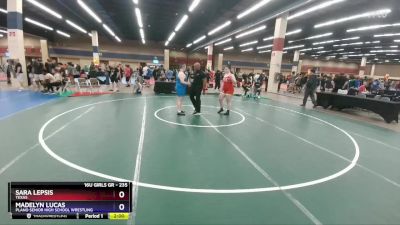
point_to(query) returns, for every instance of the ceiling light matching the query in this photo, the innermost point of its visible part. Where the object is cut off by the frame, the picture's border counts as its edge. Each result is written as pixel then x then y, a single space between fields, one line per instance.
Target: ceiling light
pixel 352 38
pixel 3 10
pixel 189 45
pixel 38 24
pixel 253 8
pixel 63 33
pixel 394 46
pixel 305 50
pixel 265 46
pixel 215 30
pixel 354 43
pixel 325 42
pixel 251 31
pixel 268 38
pixel 358 16
pixel 248 43
pixel 141 33
pixel 199 39
pixel 170 36
pixel 318 36
pixel 340 50
pixel 293 32
pixel 143 41
pixel 90 34
pixel 396 41
pixel 194 4
pixel 266 51
pixel 3 31
pixel 228 48
pixel 247 50
pixel 136 2
pixel 108 30
pixel 373 27
pixel 181 22
pixel 88 10
pixel 117 38
pixel 293 47
pixel 166 43
pixel 45 8
pixel 387 35
pixel 223 42
pixel 139 17
pixel 315 8
pixel 375 42
pixel 76 26
pixel 384 51
pixel 1 35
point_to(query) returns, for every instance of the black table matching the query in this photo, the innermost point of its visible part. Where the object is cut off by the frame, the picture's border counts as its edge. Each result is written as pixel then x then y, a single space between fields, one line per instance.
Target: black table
pixel 388 110
pixel 163 87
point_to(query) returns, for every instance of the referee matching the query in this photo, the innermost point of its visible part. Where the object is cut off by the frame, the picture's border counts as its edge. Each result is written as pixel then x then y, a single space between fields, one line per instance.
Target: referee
pixel 199 84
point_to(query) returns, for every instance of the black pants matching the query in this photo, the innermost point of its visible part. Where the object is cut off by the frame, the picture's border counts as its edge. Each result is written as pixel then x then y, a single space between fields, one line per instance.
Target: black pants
pixel 50 86
pixel 195 98
pixel 217 84
pixel 279 86
pixel 8 79
pixel 309 92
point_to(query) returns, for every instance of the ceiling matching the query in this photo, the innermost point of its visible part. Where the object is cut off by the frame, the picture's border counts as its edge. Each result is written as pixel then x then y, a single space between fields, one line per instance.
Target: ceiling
pixel 161 16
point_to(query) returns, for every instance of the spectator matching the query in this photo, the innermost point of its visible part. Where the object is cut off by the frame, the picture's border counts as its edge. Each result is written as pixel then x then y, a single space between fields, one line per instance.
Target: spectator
pixel 218 77
pixel 128 75
pixel 311 86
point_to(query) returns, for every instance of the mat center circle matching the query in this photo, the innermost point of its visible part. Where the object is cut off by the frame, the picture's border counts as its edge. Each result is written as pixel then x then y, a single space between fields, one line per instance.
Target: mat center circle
pixel 234 119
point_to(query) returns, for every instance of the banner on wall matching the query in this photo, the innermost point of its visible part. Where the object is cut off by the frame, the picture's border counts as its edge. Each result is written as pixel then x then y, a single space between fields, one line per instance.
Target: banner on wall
pixel 96 59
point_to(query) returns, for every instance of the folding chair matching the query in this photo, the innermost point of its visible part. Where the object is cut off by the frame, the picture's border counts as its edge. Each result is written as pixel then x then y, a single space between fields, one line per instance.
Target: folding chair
pixel 94 83
pixel 83 83
pixel 69 83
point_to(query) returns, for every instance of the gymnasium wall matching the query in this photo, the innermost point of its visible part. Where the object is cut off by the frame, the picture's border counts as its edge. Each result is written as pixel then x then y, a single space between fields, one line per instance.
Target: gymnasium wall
pixel 79 51
pixel 381 70
pixel 330 66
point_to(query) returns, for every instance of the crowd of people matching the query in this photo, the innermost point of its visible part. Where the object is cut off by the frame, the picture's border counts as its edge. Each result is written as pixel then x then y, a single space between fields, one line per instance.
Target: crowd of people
pixel 52 76
pixel 338 83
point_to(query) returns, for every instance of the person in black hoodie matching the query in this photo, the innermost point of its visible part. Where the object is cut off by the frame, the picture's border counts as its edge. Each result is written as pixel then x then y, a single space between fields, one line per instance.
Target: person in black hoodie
pixel 218 77
pixel 339 82
pixel 311 86
pixel 198 84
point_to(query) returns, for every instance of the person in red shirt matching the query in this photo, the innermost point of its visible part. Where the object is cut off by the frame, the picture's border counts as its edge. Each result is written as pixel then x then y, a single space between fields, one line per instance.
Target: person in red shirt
pixel 227 90
pixel 128 75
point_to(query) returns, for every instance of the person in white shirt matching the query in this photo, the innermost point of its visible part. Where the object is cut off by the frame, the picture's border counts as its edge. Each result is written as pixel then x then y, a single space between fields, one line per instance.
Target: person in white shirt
pixel 53 81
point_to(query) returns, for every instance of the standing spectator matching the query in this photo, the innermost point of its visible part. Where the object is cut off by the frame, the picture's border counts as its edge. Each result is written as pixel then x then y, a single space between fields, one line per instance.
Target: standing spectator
pixel 386 82
pixel 323 82
pixel 29 74
pixel 329 83
pixel 339 82
pixel 128 75
pixel 19 74
pixel 218 77
pixel 281 80
pixel 311 86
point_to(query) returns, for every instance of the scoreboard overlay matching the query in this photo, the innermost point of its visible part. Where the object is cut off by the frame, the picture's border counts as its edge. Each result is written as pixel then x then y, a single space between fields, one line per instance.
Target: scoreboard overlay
pixel 70 200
